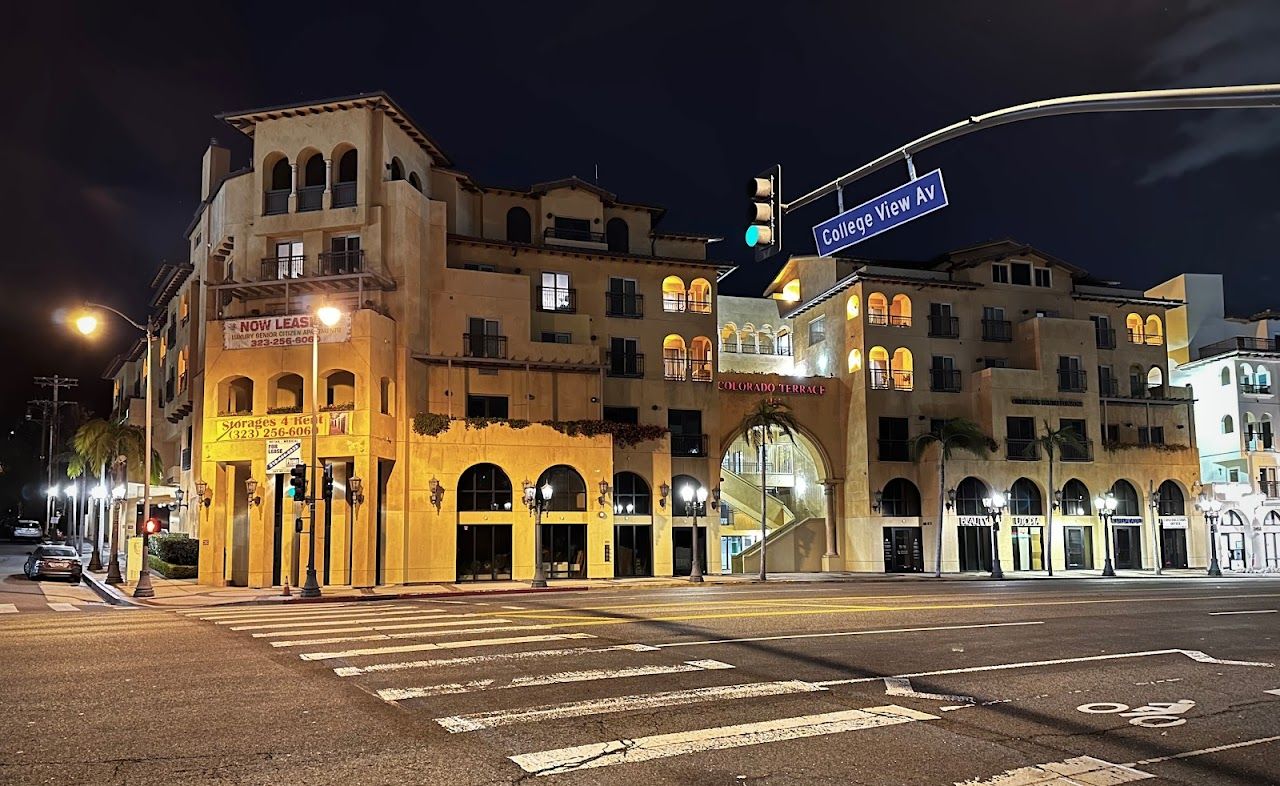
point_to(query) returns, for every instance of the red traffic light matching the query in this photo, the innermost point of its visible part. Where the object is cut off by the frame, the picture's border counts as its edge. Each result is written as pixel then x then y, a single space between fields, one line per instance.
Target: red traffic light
pixel 151 526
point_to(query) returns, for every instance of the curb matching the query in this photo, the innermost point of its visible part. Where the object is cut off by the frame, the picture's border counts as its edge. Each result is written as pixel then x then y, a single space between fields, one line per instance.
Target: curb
pixel 105 590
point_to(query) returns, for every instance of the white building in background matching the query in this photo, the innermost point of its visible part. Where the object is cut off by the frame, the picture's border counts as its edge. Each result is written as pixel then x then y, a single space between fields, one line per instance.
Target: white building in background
pixel 1231 364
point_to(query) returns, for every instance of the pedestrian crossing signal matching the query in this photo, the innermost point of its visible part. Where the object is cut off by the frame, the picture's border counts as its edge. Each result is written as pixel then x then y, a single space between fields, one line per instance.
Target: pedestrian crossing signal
pixel 326 485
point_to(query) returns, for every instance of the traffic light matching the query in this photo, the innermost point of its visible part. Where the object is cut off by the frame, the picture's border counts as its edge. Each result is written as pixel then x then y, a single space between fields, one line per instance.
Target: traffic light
pixel 298 482
pixel 151 526
pixel 326 485
pixel 765 214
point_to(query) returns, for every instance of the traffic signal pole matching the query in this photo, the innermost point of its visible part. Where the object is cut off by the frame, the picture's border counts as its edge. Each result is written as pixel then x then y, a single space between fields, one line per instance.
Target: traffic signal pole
pixel 311 589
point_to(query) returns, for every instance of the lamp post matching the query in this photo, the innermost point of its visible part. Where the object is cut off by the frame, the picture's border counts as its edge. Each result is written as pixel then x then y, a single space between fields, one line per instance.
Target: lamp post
pixel 995 505
pixel 1211 507
pixel 99 493
pixel 113 565
pixel 538 500
pixel 330 316
pixel 693 501
pixel 74 500
pixel 87 323
pixel 1106 507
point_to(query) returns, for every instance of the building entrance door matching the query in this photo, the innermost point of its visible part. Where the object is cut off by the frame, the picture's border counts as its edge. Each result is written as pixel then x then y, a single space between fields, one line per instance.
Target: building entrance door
pixel 484 552
pixel 1079 548
pixel 564 551
pixel 903 550
pixel 975 548
pixel 1128 547
pixel 1233 550
pixel 1028 548
pixel 633 550
pixel 682 549
pixel 1173 548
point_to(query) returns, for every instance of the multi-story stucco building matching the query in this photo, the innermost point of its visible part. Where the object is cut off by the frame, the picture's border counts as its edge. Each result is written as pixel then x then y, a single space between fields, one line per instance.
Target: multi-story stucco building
pixel 1231 363
pixel 1002 335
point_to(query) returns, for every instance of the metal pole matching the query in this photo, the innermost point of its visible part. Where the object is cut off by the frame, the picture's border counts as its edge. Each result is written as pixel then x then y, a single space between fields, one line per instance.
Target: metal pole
pixel 311 589
pixel 1158 551
pixel 144 588
pixel 997 572
pixel 49 503
pixel 695 570
pixel 1214 568
pixel 1107 568
pixel 539 572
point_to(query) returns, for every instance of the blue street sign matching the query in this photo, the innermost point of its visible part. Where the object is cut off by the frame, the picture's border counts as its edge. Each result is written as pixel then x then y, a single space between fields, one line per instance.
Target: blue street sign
pixel 905 203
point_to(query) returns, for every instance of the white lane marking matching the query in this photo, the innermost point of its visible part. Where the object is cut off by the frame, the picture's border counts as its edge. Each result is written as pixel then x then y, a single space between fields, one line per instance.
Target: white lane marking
pixel 63 607
pixel 397 616
pixel 658 746
pixel 843 633
pixel 1065 773
pixel 1273 692
pixel 8 608
pixel 308 616
pixel 412 635
pixel 283 609
pixel 1193 654
pixel 579 709
pixel 514 608
pixel 1204 751
pixel 400 694
pixel 471 660
pixel 372 628
pixel 901 686
pixel 444 645
pixel 1258 611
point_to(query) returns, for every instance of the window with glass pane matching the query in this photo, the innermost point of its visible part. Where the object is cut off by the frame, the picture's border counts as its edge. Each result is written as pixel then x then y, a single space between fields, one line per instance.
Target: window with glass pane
pixel 631 496
pixel 569 491
pixel 484 487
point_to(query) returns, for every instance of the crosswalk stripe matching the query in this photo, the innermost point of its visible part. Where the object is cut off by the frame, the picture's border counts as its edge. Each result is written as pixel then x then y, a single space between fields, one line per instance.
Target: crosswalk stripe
pixel 218 612
pixel 591 675
pixel 411 635
pixel 63 607
pixel 8 608
pixel 579 709
pixel 305 616
pixel 658 746
pixel 403 616
pixel 438 624
pixel 471 660
pixel 444 645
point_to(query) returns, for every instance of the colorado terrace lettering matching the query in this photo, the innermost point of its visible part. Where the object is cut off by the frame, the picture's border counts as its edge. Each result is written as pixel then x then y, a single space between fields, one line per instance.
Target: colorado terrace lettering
pixel 784 388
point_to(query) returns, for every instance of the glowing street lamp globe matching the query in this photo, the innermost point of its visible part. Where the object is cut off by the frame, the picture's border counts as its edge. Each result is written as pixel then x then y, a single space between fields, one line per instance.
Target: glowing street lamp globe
pixel 87 324
pixel 329 315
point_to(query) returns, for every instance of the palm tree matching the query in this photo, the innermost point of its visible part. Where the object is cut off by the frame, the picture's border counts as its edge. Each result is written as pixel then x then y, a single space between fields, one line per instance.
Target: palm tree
pixel 1065 438
pixel 956 434
pixel 78 467
pixel 102 443
pixel 767 422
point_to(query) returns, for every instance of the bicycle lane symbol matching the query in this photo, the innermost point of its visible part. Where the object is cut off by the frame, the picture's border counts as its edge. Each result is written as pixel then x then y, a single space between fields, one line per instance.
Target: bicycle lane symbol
pixel 1156 715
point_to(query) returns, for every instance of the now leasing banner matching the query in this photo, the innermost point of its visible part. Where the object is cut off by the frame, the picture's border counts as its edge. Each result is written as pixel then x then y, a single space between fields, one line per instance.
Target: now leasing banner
pixel 253 332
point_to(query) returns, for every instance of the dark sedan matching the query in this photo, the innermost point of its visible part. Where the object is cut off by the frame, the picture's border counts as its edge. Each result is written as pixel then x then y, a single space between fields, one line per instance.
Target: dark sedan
pixel 54 561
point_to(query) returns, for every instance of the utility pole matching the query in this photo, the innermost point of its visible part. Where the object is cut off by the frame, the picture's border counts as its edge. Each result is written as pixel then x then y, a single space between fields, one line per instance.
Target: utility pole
pixel 50 411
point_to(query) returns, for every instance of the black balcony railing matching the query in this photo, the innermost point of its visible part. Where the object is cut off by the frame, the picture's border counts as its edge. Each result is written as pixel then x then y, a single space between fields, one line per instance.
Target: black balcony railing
pixel 890 320
pixel 1269 488
pixel 942 326
pixel 689 445
pixel 310 198
pixel 276 202
pixel 1071 380
pixel 344 194
pixel 625 364
pixel 624 304
pixel 997 330
pixel 698 305
pixel 944 380
pixel 700 370
pixel 1239 344
pixel 484 345
pixel 891 379
pixel 337 263
pixel 560 299
pixel 283 267
pixel 1109 388
pixel 1105 337
pixel 1255 389
pixel 1080 452
pixel 894 449
pixel 577 235
pixel 1149 339
pixel 1019 449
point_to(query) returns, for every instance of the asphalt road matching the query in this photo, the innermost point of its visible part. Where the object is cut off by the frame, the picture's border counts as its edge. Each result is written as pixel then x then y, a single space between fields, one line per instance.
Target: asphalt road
pixel 869 682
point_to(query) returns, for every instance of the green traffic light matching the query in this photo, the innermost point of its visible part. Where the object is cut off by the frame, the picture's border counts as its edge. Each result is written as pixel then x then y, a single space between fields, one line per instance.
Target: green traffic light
pixel 290 492
pixel 753 236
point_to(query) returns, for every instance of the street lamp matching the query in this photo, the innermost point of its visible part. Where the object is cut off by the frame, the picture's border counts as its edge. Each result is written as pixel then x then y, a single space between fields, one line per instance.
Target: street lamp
pixel 88 323
pixel 1157 531
pixel 1106 507
pixel 538 500
pixel 1211 507
pixel 693 501
pixel 328 315
pixel 99 493
pixel 74 534
pixel 995 505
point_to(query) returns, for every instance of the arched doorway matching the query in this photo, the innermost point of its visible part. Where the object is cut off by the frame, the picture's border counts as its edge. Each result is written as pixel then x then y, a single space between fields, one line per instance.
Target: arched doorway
pixel 484 546
pixel 632 525
pixel 564 545
pixel 1026 526
pixel 1171 519
pixel 973 525
pixel 899 501
pixel 1126 526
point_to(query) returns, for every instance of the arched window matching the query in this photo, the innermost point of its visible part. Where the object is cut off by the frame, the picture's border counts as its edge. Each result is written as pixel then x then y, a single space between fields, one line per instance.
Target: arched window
pixel 1025 499
pixel 397 169
pixel 1172 502
pixel 1127 503
pixel 1246 374
pixel 287 397
pixel 729 337
pixel 900 311
pixel 415 181
pixel 700 296
pixel 855 360
pixel 281 175
pixel 673 293
pixel 344 187
pixel 764 337
pixel 347 166
pixel 969 496
pixel 236 397
pixel 1226 376
pixel 902 369
pixel 878 357
pixel 1154 331
pixel 678 485
pixel 1133 324
pixel 900 498
pixel 1234 519
pixel 674 360
pixel 313 171
pixel 1075 499
pixel 1262 378
pixel 631 496
pixel 852 307
pixel 1155 381
pixel 791 291
pixel 484 487
pixel 877 309
pixel 784 342
pixel 568 490
pixel 279 186
pixel 747 339
pixel 519 226
pixel 700 359
pixel 1228 424
pixel 618 235
pixel 340 389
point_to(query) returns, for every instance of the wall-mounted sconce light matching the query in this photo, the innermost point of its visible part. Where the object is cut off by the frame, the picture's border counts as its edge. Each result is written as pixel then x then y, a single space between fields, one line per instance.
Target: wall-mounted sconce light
pixel 877 501
pixel 251 487
pixel 604 491
pixel 664 490
pixel 202 492
pixel 951 498
pixel 715 497
pixel 355 490
pixel 437 493
pixel 1057 498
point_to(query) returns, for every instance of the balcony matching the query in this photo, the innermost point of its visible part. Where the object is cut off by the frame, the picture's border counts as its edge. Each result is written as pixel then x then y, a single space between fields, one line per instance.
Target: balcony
pixel 1080 452
pixel 626 305
pixel 310 198
pixel 997 330
pixel 1269 488
pixel 562 300
pixel 1019 449
pixel 942 326
pixel 1256 441
pixel 574 235
pixel 944 380
pixel 1254 389
pixel 694 445
pixel 279 268
pixel 884 318
pixel 1071 380
pixel 891 379
pixel 697 305
pixel 341 263
pixel 484 345
pixel 1105 338
pixel 894 449
pixel 1239 344
pixel 344 194
pixel 627 365
pixel 1149 339
pixel 276 202
pixel 1109 388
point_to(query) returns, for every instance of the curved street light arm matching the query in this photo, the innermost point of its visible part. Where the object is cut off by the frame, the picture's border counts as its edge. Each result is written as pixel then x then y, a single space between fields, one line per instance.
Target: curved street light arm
pixel 118 313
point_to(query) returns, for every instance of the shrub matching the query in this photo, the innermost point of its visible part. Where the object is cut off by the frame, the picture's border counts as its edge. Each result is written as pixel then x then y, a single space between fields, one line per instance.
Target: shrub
pixel 171 571
pixel 176 549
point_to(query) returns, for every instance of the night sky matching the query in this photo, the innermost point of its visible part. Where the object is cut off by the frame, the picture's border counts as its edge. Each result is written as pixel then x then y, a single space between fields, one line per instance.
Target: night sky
pixel 109 108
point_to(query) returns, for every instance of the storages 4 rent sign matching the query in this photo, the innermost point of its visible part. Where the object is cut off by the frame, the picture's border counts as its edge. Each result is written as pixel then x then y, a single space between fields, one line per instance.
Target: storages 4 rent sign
pixel 285 331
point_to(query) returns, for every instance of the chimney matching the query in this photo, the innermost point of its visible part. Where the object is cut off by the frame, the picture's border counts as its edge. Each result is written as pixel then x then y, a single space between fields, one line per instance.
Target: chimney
pixel 216 165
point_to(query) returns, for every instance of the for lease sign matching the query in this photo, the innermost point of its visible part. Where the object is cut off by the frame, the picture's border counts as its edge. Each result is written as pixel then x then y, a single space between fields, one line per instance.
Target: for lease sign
pixel 281 331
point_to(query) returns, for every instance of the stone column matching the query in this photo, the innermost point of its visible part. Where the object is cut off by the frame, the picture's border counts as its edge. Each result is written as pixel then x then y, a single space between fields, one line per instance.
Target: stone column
pixel 328 183
pixel 293 186
pixel 831 559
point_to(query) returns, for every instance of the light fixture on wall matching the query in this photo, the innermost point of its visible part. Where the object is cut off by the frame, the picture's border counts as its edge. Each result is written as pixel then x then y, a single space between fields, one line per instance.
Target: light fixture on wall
pixel 878 500
pixel 665 491
pixel 951 498
pixel 437 493
pixel 202 492
pixel 715 497
pixel 251 487
pixel 355 490
pixel 1057 499
pixel 604 491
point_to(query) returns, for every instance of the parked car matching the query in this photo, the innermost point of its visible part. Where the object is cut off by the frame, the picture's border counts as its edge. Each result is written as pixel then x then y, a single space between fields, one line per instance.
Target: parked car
pixel 51 561
pixel 27 529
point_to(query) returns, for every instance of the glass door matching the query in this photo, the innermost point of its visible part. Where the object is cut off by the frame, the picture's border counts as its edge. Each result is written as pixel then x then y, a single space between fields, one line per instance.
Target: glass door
pixel 633 550
pixel 1028 548
pixel 1079 548
pixel 975 548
